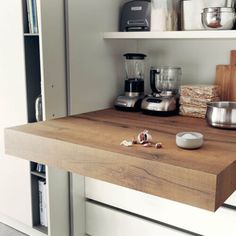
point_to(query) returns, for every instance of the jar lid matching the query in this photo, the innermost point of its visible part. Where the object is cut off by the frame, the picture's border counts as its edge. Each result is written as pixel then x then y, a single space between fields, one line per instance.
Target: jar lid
pixel 218 9
pixel 134 56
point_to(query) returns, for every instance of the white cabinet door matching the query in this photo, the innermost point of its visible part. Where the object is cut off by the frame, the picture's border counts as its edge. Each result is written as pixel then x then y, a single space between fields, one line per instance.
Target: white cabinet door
pixel 15 195
pixel 231 200
pixel 221 222
pixel 103 221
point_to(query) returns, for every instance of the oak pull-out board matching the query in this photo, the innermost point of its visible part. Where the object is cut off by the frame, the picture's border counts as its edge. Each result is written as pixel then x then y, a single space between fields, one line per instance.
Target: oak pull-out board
pixel 89 145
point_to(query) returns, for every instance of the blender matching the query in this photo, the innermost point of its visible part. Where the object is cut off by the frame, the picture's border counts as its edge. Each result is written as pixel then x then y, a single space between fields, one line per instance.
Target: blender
pixel 134 83
pixel 165 84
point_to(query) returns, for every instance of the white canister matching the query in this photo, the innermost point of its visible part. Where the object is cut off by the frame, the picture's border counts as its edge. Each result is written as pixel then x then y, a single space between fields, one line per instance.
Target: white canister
pixel 163 15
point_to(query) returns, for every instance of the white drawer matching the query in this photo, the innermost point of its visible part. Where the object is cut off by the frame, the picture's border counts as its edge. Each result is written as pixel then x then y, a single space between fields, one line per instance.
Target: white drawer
pixel 103 221
pixel 173 213
pixel 231 200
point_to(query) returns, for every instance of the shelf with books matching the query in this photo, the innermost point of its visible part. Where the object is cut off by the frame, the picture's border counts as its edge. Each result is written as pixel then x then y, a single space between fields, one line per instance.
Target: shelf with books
pixel 39 203
pixel 41 66
pixel 39 196
pixel 38 174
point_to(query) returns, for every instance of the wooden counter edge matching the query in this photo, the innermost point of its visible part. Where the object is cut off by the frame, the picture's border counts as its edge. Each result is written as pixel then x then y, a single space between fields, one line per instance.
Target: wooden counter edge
pixel 57 153
pixel 226 184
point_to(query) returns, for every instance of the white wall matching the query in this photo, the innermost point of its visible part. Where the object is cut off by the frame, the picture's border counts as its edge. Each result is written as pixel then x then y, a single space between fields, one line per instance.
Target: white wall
pixel 96 65
pixel 14 173
pixel 198 58
pixel 96 69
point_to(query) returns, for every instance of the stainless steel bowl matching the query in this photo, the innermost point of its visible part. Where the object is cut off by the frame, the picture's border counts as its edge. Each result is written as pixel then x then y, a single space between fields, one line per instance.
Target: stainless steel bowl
pixel 218 18
pixel 221 114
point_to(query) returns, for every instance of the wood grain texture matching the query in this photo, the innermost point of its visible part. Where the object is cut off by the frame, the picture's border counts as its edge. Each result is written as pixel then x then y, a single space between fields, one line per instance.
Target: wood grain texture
pixel 223 79
pixel 226 79
pixel 233 57
pixel 233 84
pixel 89 145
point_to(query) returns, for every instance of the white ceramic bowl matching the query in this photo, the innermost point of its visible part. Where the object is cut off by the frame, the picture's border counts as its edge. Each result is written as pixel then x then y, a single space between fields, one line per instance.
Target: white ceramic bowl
pixel 189 140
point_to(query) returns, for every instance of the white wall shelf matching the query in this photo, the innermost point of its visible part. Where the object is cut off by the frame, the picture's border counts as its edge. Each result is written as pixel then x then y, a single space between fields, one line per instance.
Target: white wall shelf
pixel 28 34
pixel 38 174
pixel 220 34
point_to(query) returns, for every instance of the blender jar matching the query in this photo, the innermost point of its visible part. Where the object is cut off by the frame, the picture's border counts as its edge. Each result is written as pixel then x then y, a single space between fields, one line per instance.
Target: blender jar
pixel 135 68
pixel 166 80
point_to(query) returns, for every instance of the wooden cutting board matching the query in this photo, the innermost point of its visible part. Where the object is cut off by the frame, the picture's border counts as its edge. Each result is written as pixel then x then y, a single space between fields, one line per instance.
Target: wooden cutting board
pixel 223 78
pixel 233 58
pixel 233 84
pixel 226 79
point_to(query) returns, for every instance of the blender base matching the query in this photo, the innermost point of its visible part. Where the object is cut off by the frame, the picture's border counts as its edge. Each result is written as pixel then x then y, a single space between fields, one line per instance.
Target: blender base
pixel 129 109
pixel 126 103
pixel 161 113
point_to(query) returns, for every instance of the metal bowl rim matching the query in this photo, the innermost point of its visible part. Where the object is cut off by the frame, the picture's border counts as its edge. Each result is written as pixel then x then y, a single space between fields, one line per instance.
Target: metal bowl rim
pixel 216 105
pixel 218 9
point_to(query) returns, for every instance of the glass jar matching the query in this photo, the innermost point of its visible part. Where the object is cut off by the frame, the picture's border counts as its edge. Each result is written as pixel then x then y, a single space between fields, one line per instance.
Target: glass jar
pixel 164 15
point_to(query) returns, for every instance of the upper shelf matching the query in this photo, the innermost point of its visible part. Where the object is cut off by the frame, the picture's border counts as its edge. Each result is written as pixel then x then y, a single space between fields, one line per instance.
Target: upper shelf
pixel 219 34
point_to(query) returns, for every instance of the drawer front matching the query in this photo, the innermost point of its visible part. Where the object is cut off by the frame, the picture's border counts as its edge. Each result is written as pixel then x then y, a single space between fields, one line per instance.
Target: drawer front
pixel 103 221
pixel 231 200
pixel 180 215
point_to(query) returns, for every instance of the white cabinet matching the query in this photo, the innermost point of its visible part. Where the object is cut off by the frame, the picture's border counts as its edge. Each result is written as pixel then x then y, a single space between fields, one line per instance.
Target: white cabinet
pixel 105 221
pixel 198 221
pixel 30 65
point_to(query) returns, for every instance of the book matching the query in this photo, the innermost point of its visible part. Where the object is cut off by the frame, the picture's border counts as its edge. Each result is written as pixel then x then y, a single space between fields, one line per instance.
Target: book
pixel 45 209
pixel 40 168
pixel 41 207
pixel 43 203
pixel 32 16
pixel 29 12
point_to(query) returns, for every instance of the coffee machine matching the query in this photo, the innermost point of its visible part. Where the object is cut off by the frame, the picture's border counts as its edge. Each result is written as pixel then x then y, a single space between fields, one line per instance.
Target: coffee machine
pixel 165 84
pixel 134 83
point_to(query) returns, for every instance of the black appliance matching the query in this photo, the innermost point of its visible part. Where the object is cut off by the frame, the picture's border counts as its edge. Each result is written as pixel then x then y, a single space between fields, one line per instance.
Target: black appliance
pixel 136 16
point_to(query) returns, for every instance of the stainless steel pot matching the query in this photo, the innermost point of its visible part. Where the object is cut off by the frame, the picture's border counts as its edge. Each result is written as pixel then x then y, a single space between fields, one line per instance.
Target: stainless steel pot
pixel 218 18
pixel 191 11
pixel 221 114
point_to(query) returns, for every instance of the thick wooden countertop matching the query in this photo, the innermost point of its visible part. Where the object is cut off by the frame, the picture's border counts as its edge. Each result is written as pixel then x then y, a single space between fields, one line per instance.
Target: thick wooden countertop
pixel 89 145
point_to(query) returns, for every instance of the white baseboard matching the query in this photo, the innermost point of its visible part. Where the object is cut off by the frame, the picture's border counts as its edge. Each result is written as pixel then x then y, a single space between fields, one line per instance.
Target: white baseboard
pixel 19 226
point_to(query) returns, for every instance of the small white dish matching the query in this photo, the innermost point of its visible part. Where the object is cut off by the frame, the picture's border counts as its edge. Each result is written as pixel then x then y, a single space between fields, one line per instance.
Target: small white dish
pixel 189 140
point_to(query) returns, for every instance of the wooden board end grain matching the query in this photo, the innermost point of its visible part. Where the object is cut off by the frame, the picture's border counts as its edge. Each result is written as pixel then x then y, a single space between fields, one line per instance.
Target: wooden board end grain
pixel 89 145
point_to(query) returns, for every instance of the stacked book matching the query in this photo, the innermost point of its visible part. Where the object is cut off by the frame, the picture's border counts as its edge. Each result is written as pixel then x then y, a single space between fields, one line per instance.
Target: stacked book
pixel 32 16
pixel 194 99
pixel 43 203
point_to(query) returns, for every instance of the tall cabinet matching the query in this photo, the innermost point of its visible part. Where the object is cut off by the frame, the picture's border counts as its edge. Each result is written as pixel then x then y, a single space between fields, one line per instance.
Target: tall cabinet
pixel 32 65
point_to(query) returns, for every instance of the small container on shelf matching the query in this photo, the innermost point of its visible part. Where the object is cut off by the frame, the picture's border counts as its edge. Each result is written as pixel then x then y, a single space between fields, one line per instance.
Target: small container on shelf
pixel 164 15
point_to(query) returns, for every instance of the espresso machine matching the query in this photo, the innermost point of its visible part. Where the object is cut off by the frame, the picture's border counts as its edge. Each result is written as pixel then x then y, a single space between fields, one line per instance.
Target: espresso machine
pixel 165 83
pixel 134 83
